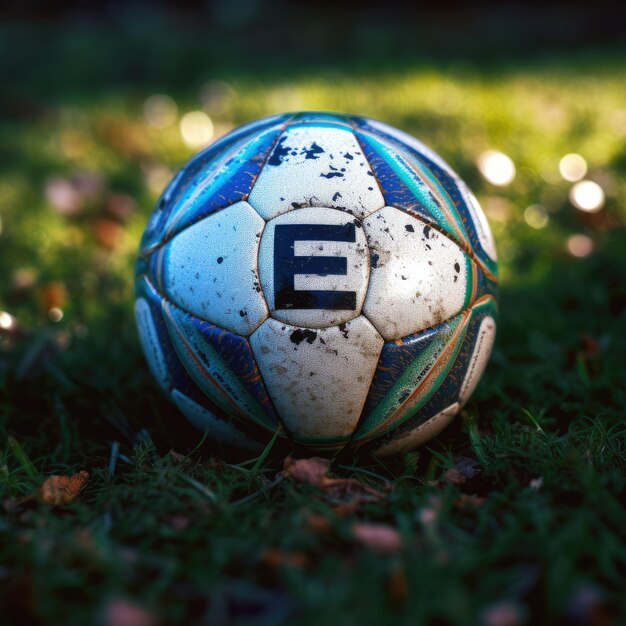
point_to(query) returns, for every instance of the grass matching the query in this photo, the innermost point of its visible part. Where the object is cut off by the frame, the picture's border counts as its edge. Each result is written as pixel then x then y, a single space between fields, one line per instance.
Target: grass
pixel 533 529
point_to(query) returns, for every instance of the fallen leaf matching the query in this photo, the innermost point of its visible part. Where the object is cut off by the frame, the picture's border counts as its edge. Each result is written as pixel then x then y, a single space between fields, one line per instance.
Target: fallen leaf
pixel 468 500
pixel 179 522
pixel 314 471
pixel 311 471
pixel 274 557
pixel 397 588
pixel 454 477
pixel 109 232
pixel 53 295
pixel 380 538
pixel 344 509
pixel 318 524
pixel 505 613
pixel 127 138
pixel 351 490
pixel 59 490
pixel 176 456
pixel 589 345
pixel 63 195
pixel 429 514
pixel 120 205
pixel 90 184
pixel 121 612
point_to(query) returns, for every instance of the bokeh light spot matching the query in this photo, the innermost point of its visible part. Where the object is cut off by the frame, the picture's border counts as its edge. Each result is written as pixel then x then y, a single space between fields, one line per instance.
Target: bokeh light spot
pixel 573 167
pixel 536 216
pixel 160 111
pixel 580 246
pixel 6 320
pixel 157 177
pixel 496 167
pixel 587 196
pixel 548 170
pixel 618 122
pixel 196 129
pixel 217 97
pixel 55 314
pixel 24 278
pixel 64 196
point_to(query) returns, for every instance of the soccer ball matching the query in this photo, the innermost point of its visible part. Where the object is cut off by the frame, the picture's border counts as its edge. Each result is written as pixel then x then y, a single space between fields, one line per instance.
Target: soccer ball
pixel 323 278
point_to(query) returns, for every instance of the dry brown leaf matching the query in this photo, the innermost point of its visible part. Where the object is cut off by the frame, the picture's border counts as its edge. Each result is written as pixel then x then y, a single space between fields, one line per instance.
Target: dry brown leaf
pixel 318 524
pixel 397 588
pixel 380 538
pixel 52 295
pixel 122 612
pixel 176 456
pixel 58 490
pixel 344 509
pixel 127 138
pixel 469 500
pixel 314 471
pixel 311 471
pixel 275 557
pixel 505 613
pixel 454 477
pixel 179 522
pixel 108 232
pixel 351 489
pixel 120 206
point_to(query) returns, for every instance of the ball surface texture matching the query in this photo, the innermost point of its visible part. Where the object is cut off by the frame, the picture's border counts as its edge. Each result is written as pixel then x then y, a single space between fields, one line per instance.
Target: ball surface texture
pixel 321 276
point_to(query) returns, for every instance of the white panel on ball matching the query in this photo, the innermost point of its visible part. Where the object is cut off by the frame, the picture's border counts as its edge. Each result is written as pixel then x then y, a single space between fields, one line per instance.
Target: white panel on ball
pixel 151 343
pixel 418 277
pixel 420 434
pixel 210 269
pixel 318 379
pixel 324 236
pixel 316 165
pixel 485 338
pixel 218 429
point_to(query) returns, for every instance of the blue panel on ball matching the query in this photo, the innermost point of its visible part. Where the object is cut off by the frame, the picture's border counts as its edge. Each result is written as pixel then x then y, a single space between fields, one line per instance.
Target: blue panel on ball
pixel 223 365
pixel 404 365
pixel 219 176
pixel 395 357
pixel 485 285
pixel 447 392
pixel 452 189
pixel 403 188
pixel 178 374
pixel 321 119
pixel 443 175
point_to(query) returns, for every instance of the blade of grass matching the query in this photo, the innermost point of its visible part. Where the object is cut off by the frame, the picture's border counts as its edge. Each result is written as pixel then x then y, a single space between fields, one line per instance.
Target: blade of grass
pixel 476 441
pixel 370 473
pixel 259 462
pixel 203 489
pixel 23 460
pixel 279 479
